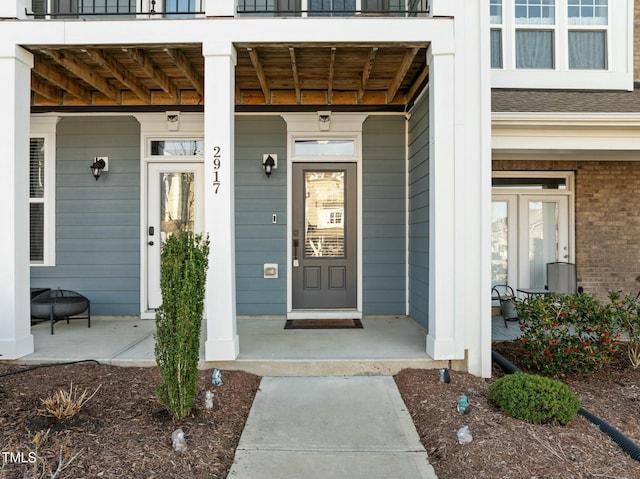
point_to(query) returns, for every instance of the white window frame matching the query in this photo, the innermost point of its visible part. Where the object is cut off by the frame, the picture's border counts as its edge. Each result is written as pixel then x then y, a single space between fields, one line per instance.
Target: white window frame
pixel 618 74
pixel 45 128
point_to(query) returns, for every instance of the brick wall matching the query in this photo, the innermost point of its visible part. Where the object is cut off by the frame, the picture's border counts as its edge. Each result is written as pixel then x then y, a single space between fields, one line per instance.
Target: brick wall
pixel 607 217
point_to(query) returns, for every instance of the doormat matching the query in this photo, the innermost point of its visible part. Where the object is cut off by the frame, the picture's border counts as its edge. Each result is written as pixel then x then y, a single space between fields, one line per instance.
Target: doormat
pixel 323 324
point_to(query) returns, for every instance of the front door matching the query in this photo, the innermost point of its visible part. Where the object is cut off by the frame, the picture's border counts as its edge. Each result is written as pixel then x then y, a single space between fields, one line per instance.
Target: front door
pixel 324 236
pixel 175 203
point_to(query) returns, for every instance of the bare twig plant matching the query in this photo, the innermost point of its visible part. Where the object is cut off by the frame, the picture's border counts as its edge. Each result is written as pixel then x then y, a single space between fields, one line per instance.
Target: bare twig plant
pixel 66 404
pixel 43 455
pixel 634 353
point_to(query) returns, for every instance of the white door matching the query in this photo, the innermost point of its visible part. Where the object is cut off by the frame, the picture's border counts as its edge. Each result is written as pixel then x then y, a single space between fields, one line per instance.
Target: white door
pixel 175 202
pixel 546 222
pixel 528 231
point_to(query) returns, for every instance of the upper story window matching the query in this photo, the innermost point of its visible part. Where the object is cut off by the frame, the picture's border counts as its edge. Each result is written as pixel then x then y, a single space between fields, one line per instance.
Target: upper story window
pixel 588 20
pixel 495 11
pixel 180 8
pixel 535 30
pixel 328 8
pixel 572 44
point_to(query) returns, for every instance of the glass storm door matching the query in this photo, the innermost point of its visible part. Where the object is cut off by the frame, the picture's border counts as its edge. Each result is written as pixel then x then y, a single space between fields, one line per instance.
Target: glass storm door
pixel 175 203
pixel 324 245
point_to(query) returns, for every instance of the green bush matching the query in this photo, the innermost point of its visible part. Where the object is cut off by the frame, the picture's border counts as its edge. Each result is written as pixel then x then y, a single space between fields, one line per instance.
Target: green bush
pixel 179 320
pixel 567 333
pixel 534 399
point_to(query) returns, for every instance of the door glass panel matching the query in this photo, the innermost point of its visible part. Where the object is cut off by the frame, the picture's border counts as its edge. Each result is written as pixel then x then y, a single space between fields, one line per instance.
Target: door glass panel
pixel 324 213
pixel 543 240
pixel 499 243
pixel 177 202
pixel 324 147
pixel 176 147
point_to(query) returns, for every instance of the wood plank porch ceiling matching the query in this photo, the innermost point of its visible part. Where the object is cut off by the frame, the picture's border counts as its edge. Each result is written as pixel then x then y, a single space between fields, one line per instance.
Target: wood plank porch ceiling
pixel 266 74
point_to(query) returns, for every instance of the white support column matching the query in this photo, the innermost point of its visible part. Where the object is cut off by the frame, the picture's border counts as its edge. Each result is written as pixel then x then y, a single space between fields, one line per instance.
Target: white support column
pixel 474 182
pixel 15 326
pixel 443 298
pixel 460 190
pixel 219 65
pixel 14 8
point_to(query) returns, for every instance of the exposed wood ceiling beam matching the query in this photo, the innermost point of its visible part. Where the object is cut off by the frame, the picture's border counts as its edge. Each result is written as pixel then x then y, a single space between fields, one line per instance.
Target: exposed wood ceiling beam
pixel 414 89
pixel 401 72
pixel 294 71
pixel 154 72
pixel 121 74
pixel 262 78
pixel 46 90
pixel 366 71
pixel 84 72
pixel 332 70
pixel 182 62
pixel 58 79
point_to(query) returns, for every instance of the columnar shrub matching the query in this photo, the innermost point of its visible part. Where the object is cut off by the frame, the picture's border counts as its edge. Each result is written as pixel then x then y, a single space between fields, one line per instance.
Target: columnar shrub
pixel 534 399
pixel 179 320
pixel 567 333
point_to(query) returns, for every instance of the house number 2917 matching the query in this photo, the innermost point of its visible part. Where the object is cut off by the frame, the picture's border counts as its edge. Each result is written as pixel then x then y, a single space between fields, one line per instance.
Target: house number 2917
pixel 216 169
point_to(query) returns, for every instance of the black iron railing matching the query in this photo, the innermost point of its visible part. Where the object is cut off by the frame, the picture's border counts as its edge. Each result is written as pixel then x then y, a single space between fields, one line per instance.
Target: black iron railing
pixel 116 8
pixel 333 8
pixel 87 9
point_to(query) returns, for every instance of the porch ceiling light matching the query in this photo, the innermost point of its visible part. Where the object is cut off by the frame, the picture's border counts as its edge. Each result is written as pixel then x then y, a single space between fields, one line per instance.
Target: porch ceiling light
pixel 324 120
pixel 97 167
pixel 268 163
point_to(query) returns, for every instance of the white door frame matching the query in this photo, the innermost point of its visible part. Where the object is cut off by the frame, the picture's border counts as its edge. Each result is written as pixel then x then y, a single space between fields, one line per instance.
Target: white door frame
pixel 156 126
pixel 308 126
pixel 153 198
pixel 517 200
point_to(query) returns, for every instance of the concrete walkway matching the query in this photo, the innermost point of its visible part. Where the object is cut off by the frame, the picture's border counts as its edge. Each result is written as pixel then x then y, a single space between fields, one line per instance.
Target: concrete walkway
pixel 330 428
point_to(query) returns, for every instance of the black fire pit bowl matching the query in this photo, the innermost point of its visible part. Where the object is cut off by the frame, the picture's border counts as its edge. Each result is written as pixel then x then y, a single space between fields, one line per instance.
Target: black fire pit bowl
pixel 57 304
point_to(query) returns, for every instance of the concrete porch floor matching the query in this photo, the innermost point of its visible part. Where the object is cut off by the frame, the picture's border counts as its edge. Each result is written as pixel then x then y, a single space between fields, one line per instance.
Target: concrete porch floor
pixel 384 347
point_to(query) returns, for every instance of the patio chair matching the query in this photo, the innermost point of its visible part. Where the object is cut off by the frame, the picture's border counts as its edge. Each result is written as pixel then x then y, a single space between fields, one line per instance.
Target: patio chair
pixel 561 278
pixel 505 296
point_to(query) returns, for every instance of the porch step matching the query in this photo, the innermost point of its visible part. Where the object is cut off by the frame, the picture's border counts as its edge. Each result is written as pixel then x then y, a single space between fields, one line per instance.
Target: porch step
pixel 346 367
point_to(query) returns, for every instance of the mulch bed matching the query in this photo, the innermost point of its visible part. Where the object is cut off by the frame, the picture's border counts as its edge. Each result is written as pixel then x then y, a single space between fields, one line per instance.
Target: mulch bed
pixel 122 432
pixel 504 447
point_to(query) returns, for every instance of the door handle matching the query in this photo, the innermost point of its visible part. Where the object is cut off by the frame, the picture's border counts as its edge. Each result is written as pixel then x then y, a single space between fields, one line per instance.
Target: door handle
pixel 151 230
pixel 150 243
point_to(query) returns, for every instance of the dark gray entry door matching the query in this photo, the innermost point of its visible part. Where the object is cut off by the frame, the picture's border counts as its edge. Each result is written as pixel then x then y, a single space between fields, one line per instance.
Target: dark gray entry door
pixel 324 236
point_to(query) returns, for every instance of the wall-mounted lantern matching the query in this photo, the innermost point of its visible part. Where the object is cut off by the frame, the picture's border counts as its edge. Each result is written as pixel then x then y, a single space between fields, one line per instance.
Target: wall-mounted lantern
pixel 98 166
pixel 269 163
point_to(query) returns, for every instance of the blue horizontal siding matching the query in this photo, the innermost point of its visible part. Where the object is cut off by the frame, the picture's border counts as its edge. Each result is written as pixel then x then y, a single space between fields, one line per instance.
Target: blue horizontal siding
pixel 257 197
pixel 384 216
pixel 419 213
pixel 97 222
